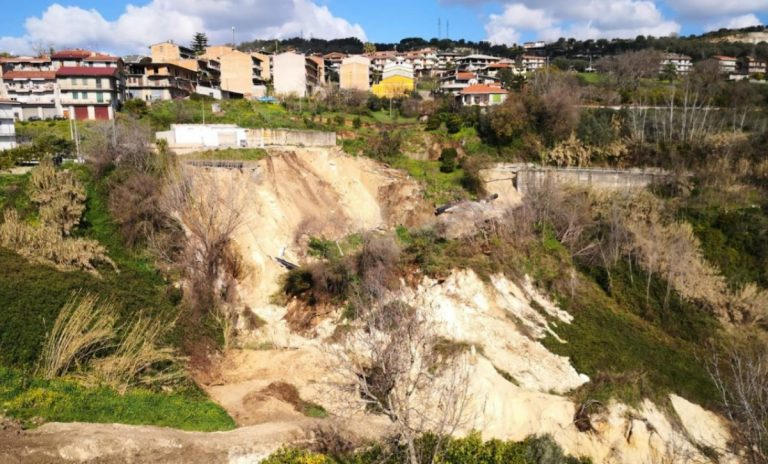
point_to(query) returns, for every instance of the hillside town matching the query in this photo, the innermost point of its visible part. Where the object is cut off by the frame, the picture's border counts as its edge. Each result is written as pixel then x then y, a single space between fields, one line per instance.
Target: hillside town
pixel 297 232
pixel 90 85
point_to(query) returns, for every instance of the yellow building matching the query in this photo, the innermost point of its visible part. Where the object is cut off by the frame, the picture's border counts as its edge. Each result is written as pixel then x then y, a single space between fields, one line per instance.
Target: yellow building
pixel 240 72
pixel 397 81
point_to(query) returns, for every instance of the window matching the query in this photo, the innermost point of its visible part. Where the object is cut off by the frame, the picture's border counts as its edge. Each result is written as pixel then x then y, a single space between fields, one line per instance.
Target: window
pixel 99 97
pixel 74 95
pixel 98 83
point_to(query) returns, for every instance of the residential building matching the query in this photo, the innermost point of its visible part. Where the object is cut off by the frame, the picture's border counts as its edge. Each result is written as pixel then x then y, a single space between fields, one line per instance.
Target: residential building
pixel 751 66
pixel 424 61
pixel 7 124
pixel 397 81
pixel 380 59
pixel 152 82
pixel 89 92
pixel 727 64
pixel 35 83
pixel 453 84
pixel 36 92
pixel 483 95
pixel 682 63
pixel 241 72
pixel 266 65
pixel 335 60
pixel 290 74
pixel 475 62
pixel 534 45
pixel 530 63
pixel 493 69
pixel 316 74
pixel 354 73
pixel 208 70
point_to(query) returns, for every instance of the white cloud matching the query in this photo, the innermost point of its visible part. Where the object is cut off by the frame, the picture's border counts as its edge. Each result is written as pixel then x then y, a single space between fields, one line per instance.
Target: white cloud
pixel 735 22
pixel 551 19
pixel 714 8
pixel 140 26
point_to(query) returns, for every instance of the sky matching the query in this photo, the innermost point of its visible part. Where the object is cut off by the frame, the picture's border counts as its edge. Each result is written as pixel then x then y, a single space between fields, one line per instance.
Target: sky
pixel 125 27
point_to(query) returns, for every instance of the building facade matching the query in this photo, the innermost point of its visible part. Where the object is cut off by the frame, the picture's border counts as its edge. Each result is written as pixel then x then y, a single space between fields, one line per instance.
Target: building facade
pixel 7 124
pixel 152 82
pixel 397 81
pixel 241 72
pixel 354 73
pixel 483 95
pixel 682 63
pixel 89 93
pixel 290 74
pixel 531 63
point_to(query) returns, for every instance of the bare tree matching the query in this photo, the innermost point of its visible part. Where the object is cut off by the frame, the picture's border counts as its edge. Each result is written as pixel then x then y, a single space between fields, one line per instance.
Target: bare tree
pixel 740 373
pixel 209 209
pixel 629 68
pixel 391 363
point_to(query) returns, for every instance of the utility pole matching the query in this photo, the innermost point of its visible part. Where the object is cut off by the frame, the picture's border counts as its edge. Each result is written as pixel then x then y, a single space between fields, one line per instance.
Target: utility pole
pixel 448 29
pixel 233 38
pixel 439 28
pixel 202 108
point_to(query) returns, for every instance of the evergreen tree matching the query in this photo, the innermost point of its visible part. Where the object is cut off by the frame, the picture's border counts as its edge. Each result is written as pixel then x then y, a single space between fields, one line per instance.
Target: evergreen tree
pixel 200 42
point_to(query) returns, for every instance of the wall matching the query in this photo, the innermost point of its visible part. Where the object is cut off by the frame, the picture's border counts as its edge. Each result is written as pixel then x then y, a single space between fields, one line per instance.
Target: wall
pixel 524 177
pixel 354 74
pixel 290 74
pixel 188 138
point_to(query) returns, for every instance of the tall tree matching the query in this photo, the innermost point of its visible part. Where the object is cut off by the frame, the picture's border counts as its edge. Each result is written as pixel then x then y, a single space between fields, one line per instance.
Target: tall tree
pixel 200 42
pixel 369 48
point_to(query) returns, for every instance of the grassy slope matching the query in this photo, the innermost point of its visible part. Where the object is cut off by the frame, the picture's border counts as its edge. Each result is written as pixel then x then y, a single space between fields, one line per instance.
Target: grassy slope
pixel 32 295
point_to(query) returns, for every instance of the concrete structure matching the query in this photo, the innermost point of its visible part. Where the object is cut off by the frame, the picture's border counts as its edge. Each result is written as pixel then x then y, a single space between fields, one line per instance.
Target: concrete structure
pixel 397 81
pixel 752 66
pixel 290 74
pixel 526 177
pixel 483 95
pixel 158 81
pixel 531 63
pixel 682 63
pixel 240 72
pixel 354 73
pixel 189 138
pixel 727 64
pixel 316 76
pixel 89 93
pixel 208 70
pixel 36 92
pixel 7 127
pixel 266 65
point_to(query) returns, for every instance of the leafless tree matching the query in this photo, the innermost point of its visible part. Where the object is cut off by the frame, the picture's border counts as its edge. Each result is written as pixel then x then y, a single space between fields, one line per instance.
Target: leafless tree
pixel 740 373
pixel 390 363
pixel 209 209
pixel 629 68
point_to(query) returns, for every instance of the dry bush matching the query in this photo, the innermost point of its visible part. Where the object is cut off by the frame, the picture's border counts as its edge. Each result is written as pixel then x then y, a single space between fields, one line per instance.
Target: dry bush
pixel 45 244
pixel 59 196
pixel 740 373
pixel 127 142
pixel 84 326
pixel 86 329
pixel 569 152
pixel 138 358
pixel 376 263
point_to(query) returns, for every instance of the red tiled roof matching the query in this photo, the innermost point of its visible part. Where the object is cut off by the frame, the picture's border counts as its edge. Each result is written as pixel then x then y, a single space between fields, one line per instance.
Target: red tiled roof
pixel 63 54
pixel 482 89
pixel 465 76
pixel 26 59
pixel 100 57
pixel 30 75
pixel 724 58
pixel 499 65
pixel 85 71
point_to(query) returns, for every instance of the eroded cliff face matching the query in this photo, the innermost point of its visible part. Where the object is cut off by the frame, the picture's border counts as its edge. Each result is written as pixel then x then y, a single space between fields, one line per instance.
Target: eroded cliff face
pixel 326 193
pixel 293 195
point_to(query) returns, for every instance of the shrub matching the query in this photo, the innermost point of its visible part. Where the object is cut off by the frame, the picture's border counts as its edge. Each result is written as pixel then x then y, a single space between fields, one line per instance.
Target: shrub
pixel 434 122
pixel 453 123
pixel 339 120
pixel 357 123
pixel 448 160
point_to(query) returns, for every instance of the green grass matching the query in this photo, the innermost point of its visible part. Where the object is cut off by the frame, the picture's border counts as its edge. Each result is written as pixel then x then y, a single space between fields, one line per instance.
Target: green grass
pixel 440 187
pixel 229 154
pixel 27 398
pixel 30 130
pixel 592 78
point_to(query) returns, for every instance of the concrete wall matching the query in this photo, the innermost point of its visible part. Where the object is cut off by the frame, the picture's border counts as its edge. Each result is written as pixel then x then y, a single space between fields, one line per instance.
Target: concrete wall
pixel 279 137
pixel 525 177
pixel 188 138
